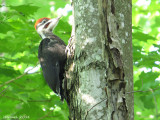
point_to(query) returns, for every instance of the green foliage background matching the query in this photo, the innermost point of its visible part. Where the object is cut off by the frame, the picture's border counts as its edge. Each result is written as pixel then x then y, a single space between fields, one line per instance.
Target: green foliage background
pixel 28 96
pixel 146 57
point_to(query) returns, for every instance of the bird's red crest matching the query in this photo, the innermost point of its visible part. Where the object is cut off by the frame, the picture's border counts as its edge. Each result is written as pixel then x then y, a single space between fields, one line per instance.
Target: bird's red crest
pixel 40 20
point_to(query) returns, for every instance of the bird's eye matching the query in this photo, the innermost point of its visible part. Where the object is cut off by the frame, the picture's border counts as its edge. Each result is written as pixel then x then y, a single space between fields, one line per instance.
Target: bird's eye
pixel 43 21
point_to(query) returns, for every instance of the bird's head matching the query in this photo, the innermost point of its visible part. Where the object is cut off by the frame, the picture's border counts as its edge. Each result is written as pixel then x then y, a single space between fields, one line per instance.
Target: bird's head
pixel 46 25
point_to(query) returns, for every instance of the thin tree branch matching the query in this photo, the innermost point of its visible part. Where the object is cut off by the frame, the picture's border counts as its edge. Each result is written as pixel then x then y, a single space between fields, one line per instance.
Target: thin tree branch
pixel 93 107
pixel 126 93
pixel 39 100
pixel 10 81
pixel 4 90
pixel 12 98
pixel 14 79
pixel 46 115
pixel 142 91
pixel 155 102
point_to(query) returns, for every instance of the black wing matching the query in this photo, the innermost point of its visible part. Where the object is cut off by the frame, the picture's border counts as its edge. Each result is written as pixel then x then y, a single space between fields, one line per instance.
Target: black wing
pixel 52 58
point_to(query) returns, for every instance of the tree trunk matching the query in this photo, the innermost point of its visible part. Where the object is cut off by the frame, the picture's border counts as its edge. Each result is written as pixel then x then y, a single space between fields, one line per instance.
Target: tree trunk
pixel 99 68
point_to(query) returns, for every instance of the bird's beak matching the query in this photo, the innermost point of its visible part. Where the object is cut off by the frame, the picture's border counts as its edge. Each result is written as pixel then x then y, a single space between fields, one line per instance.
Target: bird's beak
pixel 52 23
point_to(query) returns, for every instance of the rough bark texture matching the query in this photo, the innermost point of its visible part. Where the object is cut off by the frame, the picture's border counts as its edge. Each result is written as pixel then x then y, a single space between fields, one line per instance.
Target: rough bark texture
pixel 99 67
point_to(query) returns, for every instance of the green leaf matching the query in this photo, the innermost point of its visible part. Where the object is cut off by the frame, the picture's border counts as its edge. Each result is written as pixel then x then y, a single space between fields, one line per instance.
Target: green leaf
pixel 147 80
pixel 25 10
pixel 142 36
pixel 148 101
pixel 6 70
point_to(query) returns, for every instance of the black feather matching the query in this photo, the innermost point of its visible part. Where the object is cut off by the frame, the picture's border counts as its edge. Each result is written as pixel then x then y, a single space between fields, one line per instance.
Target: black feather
pixel 52 57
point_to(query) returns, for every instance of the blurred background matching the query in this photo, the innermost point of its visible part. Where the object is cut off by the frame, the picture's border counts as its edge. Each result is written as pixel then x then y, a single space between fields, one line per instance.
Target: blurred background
pixel 23 90
pixel 27 95
pixel 146 57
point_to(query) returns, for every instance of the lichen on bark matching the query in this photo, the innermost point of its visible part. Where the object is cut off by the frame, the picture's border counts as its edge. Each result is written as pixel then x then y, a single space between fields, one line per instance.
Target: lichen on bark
pixel 96 71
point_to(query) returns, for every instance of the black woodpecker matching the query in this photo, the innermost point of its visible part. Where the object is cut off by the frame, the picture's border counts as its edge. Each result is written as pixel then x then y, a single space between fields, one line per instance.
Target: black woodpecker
pixel 51 54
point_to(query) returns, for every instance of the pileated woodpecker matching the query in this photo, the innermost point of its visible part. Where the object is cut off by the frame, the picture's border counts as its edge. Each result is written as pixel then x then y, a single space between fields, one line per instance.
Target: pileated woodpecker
pixel 51 53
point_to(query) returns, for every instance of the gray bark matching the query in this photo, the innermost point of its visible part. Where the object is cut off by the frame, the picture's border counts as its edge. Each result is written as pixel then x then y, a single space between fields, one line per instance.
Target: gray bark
pixel 99 67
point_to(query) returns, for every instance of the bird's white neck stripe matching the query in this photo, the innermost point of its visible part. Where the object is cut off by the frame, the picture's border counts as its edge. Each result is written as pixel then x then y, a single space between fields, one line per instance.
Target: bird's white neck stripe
pixel 43 36
pixel 41 32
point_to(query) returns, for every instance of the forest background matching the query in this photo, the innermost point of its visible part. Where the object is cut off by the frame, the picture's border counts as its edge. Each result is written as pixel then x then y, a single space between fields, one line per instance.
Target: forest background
pixel 23 91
